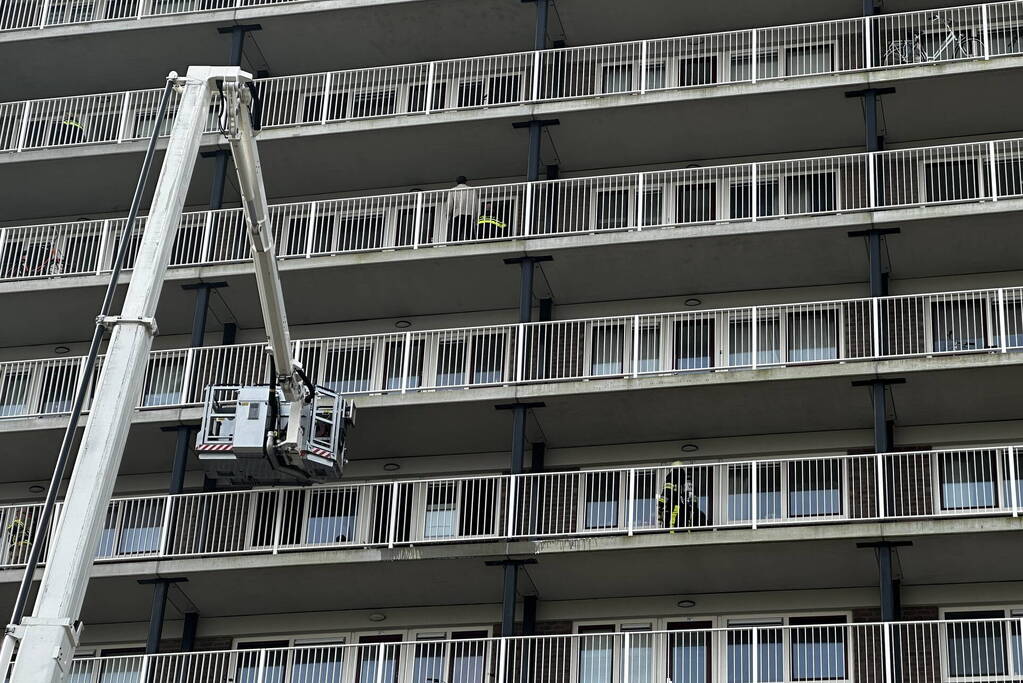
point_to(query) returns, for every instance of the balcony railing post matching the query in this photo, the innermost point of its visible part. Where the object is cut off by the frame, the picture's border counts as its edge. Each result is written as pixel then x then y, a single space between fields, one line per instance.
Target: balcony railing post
pixel 868 42
pixel 754 654
pixel 872 178
pixel 640 201
pixel 528 217
pixel 44 14
pixel 753 56
pixel 630 501
pixel 879 462
pixel 753 494
pixel 417 227
pixel 186 377
pixel 875 326
pixel 431 73
pixel 23 133
pixel 520 353
pixel 312 230
pixel 513 493
pixel 502 660
pixel 328 81
pixel 207 239
pixel 392 522
pixel 985 30
pixel 144 668
pixel 992 166
pixel 379 678
pixel 168 503
pixel 406 356
pixel 626 657
pixel 1003 331
pixel 535 89
pixel 122 125
pixel 889 662
pixel 261 667
pixel 753 337
pixel 753 191
pixel 278 519
pixel 104 240
pixel 1013 485
pixel 635 346
pixel 643 58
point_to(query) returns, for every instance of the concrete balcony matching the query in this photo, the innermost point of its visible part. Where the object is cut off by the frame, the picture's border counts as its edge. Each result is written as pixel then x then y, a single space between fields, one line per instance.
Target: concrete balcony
pixel 653 88
pixel 709 220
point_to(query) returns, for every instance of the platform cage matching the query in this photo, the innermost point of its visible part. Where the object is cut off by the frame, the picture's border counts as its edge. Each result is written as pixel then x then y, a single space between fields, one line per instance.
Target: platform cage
pixel 322 453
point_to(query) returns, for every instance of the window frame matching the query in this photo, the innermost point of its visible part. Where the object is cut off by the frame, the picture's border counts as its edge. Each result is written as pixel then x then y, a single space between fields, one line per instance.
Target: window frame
pixel 1012 616
pixel 785 491
pixel 988 306
pixel 977 158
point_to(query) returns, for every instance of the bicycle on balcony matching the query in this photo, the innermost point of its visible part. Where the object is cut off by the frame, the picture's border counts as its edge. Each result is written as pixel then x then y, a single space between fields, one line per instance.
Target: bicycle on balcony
pixel 954 44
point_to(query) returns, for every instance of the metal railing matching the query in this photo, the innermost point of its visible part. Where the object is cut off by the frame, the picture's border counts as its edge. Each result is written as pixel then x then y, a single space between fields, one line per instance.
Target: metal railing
pixel 814 649
pixel 928 176
pixel 977 32
pixel 633 346
pixel 736 494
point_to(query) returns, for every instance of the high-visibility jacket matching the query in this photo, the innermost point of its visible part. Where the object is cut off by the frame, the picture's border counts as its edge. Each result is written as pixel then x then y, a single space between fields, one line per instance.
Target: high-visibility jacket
pixel 18 534
pixel 494 221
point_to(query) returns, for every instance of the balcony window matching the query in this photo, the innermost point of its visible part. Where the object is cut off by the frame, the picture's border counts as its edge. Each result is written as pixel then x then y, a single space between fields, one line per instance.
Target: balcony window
pixel 164 381
pixel 694 344
pixel 740 200
pixel 58 387
pixel 770 650
pixel 976 648
pixel 812 336
pixel 315 664
pixel 132 527
pixel 810 193
pixel 607 349
pixel 950 181
pixel 441 514
pixel 493 90
pixel 740 492
pixel 374 103
pixel 742 66
pixel 689 651
pixel 460 657
pixel 649 356
pixel 818 649
pixel 488 358
pixel 337 106
pixel 394 359
pixel 124 669
pixel 612 209
pixel 616 78
pixel 14 386
pixel 601 657
pixel 407 235
pixel 698 70
pixel 596 653
pixel 603 500
pixel 378 659
pixel 968 480
pixel 451 363
pixel 644 505
pixel 332 516
pixel 959 324
pixel 815 488
pixel 653 207
pixel 271 670
pixel 809 59
pixel 740 339
pixel 696 203
pixel 349 370
pixel 417 97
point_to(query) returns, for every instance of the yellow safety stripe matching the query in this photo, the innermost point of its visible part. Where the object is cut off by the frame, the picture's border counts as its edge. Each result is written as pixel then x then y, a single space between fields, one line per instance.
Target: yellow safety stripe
pixel 487 220
pixel 668 486
pixel 72 122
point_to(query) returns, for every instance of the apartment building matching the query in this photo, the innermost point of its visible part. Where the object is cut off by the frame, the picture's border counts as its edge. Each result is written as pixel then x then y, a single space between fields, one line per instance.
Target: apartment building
pixel 759 260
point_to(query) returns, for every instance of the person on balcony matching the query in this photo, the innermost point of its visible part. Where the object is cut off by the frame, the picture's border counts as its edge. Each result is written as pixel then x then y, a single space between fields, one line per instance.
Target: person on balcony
pixel 71 132
pixel 462 217
pixel 490 225
pixel 678 507
pixel 18 538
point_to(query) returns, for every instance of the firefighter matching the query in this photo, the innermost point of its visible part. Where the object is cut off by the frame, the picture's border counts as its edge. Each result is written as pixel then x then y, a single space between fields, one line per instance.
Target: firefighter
pixel 71 132
pixel 462 202
pixel 677 505
pixel 18 536
pixel 490 224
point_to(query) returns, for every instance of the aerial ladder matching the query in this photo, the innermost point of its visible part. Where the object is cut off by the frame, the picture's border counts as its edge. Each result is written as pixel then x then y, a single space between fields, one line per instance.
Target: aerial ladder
pixel 288 430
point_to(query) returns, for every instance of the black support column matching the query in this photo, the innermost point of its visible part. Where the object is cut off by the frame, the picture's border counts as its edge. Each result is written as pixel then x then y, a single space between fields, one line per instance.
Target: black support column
pixel 510 591
pixel 161 586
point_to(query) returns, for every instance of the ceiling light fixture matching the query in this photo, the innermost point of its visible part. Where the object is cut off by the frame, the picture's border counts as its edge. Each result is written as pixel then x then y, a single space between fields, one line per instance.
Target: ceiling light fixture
pixel 392 467
pixel 402 324
pixel 686 604
pixel 693 302
pixel 377 617
pixel 36 488
pixel 62 349
pixel 689 447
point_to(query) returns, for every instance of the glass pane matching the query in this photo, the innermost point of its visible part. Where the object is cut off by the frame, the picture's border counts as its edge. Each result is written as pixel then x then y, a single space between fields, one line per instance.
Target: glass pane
pixel 952 180
pixel 770 661
pixel 488 358
pixel 696 203
pixel 649 349
pixel 164 382
pixel 644 513
pixel 596 659
pixel 694 340
pixel 959 325
pixel 976 649
pixel 815 488
pixel 142 525
pixel 810 193
pixel 689 657
pixel 809 59
pixel 14 394
pixel 818 653
pixel 332 516
pixel 451 364
pixel 616 78
pixel 348 370
pixel 441 510
pixel 740 339
pixel 602 498
pixel 607 347
pixel 812 336
pixel 968 480
pixel 612 209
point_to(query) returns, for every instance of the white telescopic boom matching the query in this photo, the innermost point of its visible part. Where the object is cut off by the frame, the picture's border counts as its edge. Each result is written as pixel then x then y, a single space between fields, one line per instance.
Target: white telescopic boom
pixel 48 638
pixel 237 106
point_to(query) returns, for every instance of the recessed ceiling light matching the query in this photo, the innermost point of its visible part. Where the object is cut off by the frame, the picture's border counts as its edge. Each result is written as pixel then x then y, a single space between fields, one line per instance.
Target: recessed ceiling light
pixel 62 349
pixel 689 447
pixel 693 302
pixel 377 617
pixel 402 324
pixel 392 467
pixel 686 604
pixel 36 488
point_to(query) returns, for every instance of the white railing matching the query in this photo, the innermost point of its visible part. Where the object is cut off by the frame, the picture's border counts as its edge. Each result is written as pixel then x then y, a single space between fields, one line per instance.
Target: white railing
pixel 967 482
pixel 810 649
pixel 633 346
pixel 928 176
pixel 977 32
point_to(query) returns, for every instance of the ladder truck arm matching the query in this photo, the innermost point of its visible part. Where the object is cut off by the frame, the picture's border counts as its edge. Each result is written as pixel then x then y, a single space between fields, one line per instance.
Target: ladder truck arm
pixel 311 419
